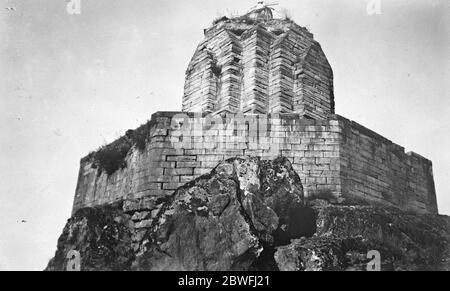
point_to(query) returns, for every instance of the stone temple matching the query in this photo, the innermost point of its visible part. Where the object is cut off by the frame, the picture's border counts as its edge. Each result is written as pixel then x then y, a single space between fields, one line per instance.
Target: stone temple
pixel 272 66
pixel 275 77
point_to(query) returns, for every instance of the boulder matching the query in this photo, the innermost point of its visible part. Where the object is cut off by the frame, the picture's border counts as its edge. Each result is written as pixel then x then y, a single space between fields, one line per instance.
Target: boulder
pixel 223 220
pixel 220 221
pixel 102 238
pixel 346 234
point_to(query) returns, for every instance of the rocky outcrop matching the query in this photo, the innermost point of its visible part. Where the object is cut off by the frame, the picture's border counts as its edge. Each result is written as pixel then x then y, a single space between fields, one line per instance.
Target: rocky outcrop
pixel 346 234
pixel 220 221
pixel 249 214
pixel 101 235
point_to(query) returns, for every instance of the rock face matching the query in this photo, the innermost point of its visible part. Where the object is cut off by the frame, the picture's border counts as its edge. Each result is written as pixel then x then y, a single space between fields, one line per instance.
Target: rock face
pixel 220 221
pixel 101 235
pixel 248 214
pixel 345 235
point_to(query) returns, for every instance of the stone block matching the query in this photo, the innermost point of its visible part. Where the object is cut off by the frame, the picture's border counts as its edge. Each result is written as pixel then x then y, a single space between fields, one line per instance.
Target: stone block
pixel 179 171
pixel 165 179
pixel 181 158
pixel 188 164
pixel 172 186
pixel 187 179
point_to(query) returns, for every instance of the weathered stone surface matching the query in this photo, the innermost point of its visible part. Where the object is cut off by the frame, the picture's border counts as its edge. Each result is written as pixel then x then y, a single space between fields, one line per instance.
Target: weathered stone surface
pixel 282 191
pixel 315 254
pixel 220 221
pixel 188 235
pixel 331 253
pixel 345 234
pixel 140 215
pixel 413 239
pixel 248 214
pixel 101 235
pixel 331 159
pixel 146 203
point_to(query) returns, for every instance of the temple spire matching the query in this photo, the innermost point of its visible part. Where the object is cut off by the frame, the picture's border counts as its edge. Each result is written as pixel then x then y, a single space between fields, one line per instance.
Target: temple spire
pixel 261 12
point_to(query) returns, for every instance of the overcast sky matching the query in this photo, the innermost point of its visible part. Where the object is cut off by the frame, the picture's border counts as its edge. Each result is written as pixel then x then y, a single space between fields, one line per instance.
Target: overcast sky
pixel 69 83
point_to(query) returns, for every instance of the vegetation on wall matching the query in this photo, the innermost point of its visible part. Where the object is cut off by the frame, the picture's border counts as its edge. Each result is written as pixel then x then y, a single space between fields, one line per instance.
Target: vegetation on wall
pixel 112 157
pixel 220 19
pixel 243 19
pixel 246 19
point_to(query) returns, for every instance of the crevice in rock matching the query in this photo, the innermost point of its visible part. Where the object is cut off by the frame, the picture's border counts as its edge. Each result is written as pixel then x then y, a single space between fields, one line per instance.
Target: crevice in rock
pixel 265 261
pixel 302 224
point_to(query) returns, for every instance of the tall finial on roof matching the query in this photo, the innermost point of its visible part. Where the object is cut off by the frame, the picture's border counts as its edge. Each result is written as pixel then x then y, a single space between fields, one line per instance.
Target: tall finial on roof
pixel 261 11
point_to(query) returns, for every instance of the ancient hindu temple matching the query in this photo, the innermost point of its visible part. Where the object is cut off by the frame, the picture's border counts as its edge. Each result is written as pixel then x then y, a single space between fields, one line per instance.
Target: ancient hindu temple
pixel 276 77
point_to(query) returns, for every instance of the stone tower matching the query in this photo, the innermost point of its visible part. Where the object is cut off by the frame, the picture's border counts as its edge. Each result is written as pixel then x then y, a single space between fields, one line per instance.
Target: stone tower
pixel 257 64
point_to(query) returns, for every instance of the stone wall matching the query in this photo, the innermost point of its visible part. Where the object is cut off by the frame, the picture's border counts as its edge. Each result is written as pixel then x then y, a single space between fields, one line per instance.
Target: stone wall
pixel 376 169
pixel 334 157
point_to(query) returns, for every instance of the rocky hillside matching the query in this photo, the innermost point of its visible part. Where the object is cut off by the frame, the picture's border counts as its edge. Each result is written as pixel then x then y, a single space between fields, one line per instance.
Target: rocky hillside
pixel 249 214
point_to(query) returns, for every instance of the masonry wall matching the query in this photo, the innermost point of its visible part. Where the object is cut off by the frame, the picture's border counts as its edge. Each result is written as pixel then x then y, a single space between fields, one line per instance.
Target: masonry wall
pixel 333 157
pixel 169 161
pixel 375 169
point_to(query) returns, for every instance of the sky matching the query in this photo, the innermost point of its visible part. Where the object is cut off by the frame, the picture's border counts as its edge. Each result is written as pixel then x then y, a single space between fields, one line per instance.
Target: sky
pixel 72 82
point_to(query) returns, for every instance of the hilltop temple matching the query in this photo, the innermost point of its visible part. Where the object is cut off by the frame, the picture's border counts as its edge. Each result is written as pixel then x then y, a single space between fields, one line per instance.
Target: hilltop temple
pixel 276 77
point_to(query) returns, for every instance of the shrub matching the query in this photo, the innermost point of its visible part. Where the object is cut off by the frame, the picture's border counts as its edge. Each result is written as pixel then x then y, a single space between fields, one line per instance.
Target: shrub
pixel 139 136
pixel 247 19
pixel 220 19
pixel 110 158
